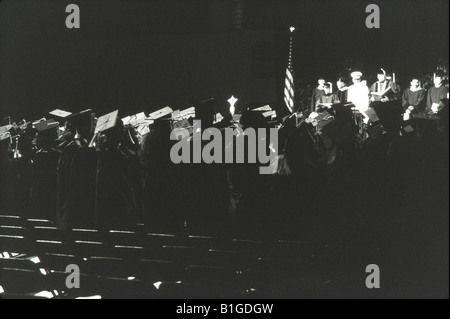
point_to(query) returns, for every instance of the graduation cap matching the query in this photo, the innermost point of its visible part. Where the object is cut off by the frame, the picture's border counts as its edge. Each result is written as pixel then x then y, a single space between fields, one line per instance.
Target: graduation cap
pixel 160 113
pixel 143 126
pixel 270 114
pixel 46 125
pixel 106 122
pixel 106 125
pixel 38 121
pixel 134 120
pixel 140 122
pixel 48 131
pixel 4 132
pixel 189 112
pixel 266 112
pixel 356 75
pixel 60 115
pixel 204 111
pixel 81 122
pixel 263 108
pixel 5 129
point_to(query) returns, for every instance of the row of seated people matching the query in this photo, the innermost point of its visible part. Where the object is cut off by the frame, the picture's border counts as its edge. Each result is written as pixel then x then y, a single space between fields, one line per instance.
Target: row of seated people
pixel 415 99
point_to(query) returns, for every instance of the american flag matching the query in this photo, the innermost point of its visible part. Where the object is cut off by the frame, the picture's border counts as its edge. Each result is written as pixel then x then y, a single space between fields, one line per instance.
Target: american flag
pixel 289 80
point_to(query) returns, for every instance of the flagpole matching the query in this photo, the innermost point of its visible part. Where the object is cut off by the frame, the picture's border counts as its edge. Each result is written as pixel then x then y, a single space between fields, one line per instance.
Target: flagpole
pixel 291 29
pixel 289 93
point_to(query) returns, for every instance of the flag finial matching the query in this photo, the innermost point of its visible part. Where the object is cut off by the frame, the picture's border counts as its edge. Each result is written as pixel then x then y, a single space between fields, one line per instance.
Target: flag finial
pixel 232 100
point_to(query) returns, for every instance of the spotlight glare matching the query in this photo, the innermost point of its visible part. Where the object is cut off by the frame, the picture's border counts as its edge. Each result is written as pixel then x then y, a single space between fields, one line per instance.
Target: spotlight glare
pixel 157 284
pixel 45 294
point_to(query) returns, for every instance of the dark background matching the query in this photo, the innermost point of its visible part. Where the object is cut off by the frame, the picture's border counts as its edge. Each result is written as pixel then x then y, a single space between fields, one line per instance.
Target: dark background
pixel 143 55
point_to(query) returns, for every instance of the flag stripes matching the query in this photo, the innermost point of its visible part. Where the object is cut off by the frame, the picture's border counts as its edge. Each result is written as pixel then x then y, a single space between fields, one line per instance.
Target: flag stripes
pixel 289 96
pixel 289 90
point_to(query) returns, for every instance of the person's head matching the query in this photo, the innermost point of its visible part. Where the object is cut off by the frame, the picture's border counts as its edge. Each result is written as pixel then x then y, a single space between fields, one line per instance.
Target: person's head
pixel 321 81
pixel 356 77
pixel 340 83
pixel 326 88
pixel 438 80
pixel 414 83
pixel 381 76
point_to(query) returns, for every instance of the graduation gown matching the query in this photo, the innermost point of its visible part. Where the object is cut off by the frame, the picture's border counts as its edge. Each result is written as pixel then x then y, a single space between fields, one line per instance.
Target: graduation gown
pixel 414 98
pixel 379 87
pixel 358 94
pixel 435 95
pixel 317 93
pixel 341 95
pixel 327 98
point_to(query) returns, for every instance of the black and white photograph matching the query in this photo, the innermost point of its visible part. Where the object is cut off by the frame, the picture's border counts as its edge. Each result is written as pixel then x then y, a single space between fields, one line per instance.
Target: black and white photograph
pixel 224 154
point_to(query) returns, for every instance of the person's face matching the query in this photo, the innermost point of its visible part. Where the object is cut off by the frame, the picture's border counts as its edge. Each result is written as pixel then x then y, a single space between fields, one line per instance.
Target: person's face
pixel 326 90
pixel 340 84
pixel 415 83
pixel 321 82
pixel 381 77
pixel 438 81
